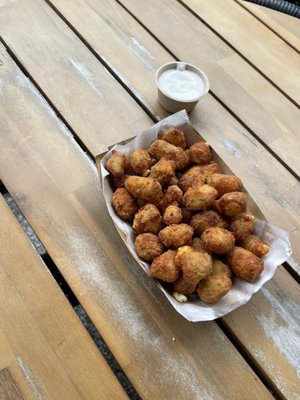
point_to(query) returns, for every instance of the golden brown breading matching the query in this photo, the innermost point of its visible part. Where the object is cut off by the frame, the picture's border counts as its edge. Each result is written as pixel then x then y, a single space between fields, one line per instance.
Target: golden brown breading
pixel 181 286
pixel 176 235
pixel 175 137
pixel 200 153
pixel 244 264
pixel 172 215
pixel 243 226
pixel 196 266
pixel 118 181
pixel 147 219
pixel 199 197
pixel 164 268
pixel 255 245
pixel 140 161
pixel 173 181
pixel 218 240
pixel 144 188
pixel 163 171
pixel 173 194
pixel 148 246
pixel 197 174
pixel 117 164
pixel 181 252
pixel 213 288
pixel 162 149
pixel 219 268
pixel 207 219
pixel 232 203
pixel 225 183
pixel 199 245
pixel 124 204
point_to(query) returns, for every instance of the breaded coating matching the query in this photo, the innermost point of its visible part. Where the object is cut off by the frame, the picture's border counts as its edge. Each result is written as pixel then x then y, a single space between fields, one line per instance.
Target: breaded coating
pixel 218 240
pixel 244 264
pixel 172 195
pixel 186 215
pixel 219 268
pixel 255 245
pixel 147 219
pixel 148 246
pixel 173 181
pixel 213 288
pixel 181 252
pixel 144 188
pixel 197 175
pixel 117 164
pixel 181 286
pixel 162 149
pixel 207 219
pixel 175 137
pixel 163 171
pixel 196 266
pixel 164 268
pixel 124 204
pixel 200 153
pixel 243 226
pixel 199 245
pixel 140 161
pixel 176 235
pixel 199 197
pixel 172 215
pixel 225 183
pixel 232 203
pixel 118 181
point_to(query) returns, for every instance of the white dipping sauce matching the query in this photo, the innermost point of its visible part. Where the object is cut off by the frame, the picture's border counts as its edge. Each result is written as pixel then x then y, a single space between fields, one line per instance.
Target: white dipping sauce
pixel 182 85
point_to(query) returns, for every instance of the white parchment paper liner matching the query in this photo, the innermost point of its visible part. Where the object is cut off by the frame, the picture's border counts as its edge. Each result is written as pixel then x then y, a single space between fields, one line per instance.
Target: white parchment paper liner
pixel 241 292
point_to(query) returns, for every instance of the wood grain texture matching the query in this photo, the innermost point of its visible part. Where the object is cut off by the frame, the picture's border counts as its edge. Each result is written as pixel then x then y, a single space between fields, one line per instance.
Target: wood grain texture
pixel 284 25
pixel 270 54
pixel 268 113
pixel 79 86
pixel 8 388
pixel 279 200
pixel 57 188
pixel 54 355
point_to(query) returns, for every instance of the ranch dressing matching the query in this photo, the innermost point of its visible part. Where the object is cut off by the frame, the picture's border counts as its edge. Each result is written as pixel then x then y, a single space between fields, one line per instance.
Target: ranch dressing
pixel 181 84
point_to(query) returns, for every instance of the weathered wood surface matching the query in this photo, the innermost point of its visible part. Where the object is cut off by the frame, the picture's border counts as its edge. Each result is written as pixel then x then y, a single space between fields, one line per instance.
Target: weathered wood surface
pixel 62 203
pixel 45 350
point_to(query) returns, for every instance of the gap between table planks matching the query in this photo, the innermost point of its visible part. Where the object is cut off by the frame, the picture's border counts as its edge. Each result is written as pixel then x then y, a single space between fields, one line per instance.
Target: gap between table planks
pixel 283 25
pixel 253 40
pixel 44 347
pixel 278 201
pixel 61 202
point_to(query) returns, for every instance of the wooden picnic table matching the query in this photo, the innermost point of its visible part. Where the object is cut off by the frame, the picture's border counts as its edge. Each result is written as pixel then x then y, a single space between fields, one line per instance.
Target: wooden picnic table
pixel 77 76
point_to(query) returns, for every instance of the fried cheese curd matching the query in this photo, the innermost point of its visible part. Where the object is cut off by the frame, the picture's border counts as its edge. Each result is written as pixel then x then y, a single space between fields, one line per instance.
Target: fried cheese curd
pixel 197 174
pixel 117 163
pixel 255 245
pixel 175 136
pixel 232 204
pixel 176 235
pixel 164 268
pixel 242 226
pixel 213 288
pixel 124 204
pixel 172 215
pixel 182 287
pixel 147 220
pixel 162 149
pixel 199 197
pixel 144 188
pixel 200 153
pixel 207 219
pixel 244 264
pixel 163 171
pixel 172 195
pixel 198 244
pixel 225 183
pixel 148 246
pixel 219 268
pixel 218 240
pixel 140 161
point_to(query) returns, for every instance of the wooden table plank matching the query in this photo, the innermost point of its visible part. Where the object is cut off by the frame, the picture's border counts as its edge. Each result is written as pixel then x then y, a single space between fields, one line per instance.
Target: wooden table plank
pixel 69 75
pixel 53 353
pixel 250 160
pixel 284 25
pixel 269 53
pixel 269 114
pixel 57 188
